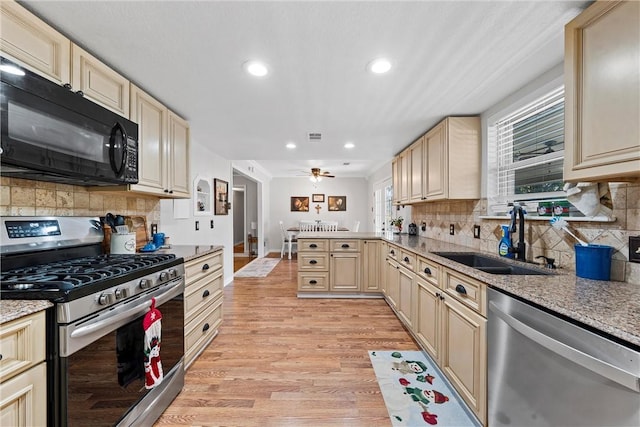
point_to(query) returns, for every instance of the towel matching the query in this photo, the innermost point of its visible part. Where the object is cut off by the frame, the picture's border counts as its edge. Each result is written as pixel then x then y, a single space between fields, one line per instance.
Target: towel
pixel 590 198
pixel 152 339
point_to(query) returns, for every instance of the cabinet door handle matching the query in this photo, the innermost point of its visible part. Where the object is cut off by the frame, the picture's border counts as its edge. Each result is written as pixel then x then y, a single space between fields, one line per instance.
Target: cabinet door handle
pixel 427 270
pixel 437 294
pixel 313 282
pixel 460 289
pixel 313 245
pixel 313 261
pixel 392 252
pixel 406 259
pixel 205 267
pixel 205 328
pixel 205 294
pixel 345 245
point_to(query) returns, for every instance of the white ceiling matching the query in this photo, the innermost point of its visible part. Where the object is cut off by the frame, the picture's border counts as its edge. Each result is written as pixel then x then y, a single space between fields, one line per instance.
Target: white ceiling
pixel 450 58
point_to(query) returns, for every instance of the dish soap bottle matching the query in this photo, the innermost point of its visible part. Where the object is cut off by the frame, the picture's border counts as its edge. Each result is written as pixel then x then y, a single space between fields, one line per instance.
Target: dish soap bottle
pixel 505 244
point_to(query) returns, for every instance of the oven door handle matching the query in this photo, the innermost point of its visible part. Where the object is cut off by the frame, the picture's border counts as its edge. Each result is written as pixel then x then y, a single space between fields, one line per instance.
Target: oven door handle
pixel 112 320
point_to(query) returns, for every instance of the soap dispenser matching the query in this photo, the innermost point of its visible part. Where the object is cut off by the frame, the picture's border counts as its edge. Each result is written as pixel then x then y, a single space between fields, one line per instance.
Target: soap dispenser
pixel 505 244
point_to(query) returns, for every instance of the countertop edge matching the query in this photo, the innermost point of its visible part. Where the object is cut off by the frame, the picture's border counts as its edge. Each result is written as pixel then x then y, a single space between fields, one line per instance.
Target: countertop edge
pixel 15 309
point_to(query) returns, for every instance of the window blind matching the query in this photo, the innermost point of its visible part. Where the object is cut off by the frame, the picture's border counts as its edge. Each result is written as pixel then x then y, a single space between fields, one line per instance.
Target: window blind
pixel 530 150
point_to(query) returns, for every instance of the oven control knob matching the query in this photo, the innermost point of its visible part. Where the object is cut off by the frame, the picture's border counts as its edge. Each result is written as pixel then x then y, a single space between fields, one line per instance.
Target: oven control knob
pixel 145 283
pixel 164 276
pixel 120 293
pixel 104 299
pixel 173 273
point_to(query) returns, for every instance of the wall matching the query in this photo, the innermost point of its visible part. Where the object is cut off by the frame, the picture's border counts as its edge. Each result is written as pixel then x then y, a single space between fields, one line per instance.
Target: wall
pixel 354 188
pixel 21 197
pixel 541 238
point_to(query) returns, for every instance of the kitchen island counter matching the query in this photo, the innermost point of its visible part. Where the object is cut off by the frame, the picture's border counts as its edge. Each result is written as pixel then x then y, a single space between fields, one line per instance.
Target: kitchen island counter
pixel 607 306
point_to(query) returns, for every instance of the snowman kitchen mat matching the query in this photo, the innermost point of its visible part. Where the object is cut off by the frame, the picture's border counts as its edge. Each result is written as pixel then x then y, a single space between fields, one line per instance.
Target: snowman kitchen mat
pixel 415 393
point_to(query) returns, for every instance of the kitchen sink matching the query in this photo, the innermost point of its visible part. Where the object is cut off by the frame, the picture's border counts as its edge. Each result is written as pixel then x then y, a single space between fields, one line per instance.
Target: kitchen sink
pixel 489 264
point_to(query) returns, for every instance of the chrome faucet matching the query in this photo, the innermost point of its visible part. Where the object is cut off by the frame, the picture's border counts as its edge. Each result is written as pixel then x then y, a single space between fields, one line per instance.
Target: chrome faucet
pixel 521 248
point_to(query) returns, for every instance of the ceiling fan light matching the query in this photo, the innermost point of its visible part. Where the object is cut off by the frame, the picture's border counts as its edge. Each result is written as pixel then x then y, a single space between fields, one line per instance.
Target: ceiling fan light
pixel 315 178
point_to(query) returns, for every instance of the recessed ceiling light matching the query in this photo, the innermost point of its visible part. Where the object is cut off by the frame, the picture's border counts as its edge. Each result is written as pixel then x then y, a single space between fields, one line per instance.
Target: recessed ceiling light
pixel 256 68
pixel 379 66
pixel 11 69
pixel 291 145
pixel 349 145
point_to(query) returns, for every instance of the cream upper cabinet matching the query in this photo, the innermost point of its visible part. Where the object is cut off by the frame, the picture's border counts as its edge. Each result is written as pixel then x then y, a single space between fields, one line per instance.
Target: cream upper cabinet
pixel 163 144
pixel 151 117
pixel 98 82
pixel 178 146
pixel 602 93
pixel 416 159
pixel 443 164
pixel 453 153
pixel 29 41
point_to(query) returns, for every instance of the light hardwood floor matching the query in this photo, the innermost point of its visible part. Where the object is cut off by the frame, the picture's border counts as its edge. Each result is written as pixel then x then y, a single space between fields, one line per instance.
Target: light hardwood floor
pixel 284 361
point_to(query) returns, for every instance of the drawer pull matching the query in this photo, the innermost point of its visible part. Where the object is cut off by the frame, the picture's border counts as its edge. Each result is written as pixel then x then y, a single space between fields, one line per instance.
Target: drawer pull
pixel 427 270
pixel 345 245
pixel 313 245
pixel 205 328
pixel 392 252
pixel 313 282
pixel 313 261
pixel 205 294
pixel 461 290
pixel 205 267
pixel 406 259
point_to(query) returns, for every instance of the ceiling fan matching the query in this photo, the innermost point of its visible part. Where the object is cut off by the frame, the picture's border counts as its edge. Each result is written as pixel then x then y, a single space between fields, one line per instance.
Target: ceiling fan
pixel 317 175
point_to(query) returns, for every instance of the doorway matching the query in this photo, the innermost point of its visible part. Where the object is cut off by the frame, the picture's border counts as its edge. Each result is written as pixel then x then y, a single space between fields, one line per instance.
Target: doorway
pixel 245 219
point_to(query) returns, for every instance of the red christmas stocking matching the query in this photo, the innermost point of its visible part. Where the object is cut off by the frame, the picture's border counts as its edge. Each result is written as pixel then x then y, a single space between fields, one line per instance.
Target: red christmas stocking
pixel 152 338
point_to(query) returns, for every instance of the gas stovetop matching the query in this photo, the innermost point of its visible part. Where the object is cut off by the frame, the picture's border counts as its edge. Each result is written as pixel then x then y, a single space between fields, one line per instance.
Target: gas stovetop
pixel 71 279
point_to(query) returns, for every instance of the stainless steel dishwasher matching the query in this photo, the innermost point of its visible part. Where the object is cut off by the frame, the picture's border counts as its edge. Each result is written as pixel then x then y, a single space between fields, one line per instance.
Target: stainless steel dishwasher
pixel 546 371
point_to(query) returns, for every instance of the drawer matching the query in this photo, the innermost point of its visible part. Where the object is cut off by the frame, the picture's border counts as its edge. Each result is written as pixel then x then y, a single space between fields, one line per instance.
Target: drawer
pixel 345 245
pixel 313 281
pixel 428 270
pixel 393 252
pixel 407 259
pixel 313 245
pixel 468 291
pixel 313 262
pixel 204 327
pixel 22 344
pixel 200 293
pixel 23 398
pixel 202 266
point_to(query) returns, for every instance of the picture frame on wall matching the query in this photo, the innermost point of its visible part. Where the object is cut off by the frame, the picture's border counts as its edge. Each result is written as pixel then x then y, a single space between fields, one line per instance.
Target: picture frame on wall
pixel 299 204
pixel 221 200
pixel 317 198
pixel 337 203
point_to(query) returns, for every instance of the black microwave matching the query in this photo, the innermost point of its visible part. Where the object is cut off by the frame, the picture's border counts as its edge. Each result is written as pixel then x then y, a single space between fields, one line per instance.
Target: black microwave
pixel 51 133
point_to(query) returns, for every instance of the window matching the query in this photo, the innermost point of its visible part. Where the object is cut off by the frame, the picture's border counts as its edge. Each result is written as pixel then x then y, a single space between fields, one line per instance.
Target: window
pixel 526 153
pixel 383 202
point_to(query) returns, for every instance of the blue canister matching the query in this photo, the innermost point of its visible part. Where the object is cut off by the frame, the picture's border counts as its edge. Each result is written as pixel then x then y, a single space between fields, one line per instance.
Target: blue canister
pixel 593 261
pixel 158 239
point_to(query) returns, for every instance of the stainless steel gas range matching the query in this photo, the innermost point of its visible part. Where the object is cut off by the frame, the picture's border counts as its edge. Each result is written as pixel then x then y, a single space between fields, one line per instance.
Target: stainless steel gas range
pixel 95 333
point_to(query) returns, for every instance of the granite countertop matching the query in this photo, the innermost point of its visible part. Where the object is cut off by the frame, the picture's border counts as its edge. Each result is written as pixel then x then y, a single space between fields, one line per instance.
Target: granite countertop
pixel 189 252
pixel 14 309
pixel 611 307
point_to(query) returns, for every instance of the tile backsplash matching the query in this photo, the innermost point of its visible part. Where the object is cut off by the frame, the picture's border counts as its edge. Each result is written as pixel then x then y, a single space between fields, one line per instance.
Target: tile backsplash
pixel 541 238
pixel 21 197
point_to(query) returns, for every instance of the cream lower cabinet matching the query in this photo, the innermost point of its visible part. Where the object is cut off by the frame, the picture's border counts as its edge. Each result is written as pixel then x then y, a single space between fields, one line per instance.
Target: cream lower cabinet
pixel 344 265
pixel 23 372
pixel 371 265
pixel 203 297
pixel 602 88
pixel 446 312
pixel 313 266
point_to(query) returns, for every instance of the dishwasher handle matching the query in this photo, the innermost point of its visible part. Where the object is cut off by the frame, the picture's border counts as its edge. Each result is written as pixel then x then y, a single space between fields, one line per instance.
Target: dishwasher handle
pixel 585 360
